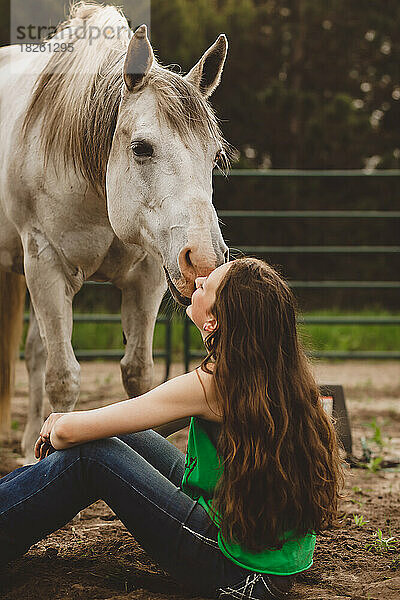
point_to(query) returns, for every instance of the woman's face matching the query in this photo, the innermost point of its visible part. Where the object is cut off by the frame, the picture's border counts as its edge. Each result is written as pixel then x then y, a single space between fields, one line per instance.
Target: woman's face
pixel 203 299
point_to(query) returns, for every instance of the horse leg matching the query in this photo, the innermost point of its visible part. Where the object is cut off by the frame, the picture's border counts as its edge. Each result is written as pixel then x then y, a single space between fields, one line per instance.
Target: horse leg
pixel 52 286
pixel 142 292
pixel 35 358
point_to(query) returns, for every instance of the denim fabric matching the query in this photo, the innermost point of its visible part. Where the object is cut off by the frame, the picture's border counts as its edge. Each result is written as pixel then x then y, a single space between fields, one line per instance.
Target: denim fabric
pixel 138 476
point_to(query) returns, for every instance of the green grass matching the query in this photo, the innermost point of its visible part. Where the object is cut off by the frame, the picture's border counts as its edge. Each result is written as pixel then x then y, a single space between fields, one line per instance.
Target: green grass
pixel 317 337
pixel 88 336
pixel 350 338
pixel 379 544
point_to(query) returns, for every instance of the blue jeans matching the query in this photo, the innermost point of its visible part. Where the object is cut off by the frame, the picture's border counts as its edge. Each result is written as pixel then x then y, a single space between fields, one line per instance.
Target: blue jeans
pixel 138 475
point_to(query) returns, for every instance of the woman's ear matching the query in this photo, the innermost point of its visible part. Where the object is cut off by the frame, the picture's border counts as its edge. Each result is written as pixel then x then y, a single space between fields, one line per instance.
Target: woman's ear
pixel 210 325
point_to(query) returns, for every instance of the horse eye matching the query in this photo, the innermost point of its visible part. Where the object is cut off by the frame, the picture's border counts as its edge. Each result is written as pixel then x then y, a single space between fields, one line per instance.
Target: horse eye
pixel 142 149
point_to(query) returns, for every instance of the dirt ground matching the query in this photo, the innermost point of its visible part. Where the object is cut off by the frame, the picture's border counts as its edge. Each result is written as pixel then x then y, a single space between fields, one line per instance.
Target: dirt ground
pixel 96 557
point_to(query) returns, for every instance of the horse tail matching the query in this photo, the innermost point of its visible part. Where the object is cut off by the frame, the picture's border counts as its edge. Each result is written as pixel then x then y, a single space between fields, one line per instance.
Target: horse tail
pixel 12 300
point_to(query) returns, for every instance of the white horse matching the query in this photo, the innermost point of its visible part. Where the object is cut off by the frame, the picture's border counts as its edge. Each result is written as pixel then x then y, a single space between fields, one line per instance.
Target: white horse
pixel 106 163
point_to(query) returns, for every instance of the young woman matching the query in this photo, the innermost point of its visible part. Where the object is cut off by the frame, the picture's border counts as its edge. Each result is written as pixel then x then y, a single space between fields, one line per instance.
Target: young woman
pixel 237 516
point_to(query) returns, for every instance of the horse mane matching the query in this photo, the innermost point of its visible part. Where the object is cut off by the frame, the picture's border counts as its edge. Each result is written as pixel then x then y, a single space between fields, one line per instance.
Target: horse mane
pixel 77 95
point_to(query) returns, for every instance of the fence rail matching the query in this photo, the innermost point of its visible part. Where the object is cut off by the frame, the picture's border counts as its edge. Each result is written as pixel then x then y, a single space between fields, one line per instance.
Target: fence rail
pixel 386 355
pixel 320 249
pixel 311 173
pixel 346 284
pixel 312 214
pixel 316 284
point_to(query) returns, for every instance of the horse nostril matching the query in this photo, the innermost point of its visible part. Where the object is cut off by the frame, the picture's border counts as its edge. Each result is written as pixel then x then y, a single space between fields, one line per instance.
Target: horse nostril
pixel 226 256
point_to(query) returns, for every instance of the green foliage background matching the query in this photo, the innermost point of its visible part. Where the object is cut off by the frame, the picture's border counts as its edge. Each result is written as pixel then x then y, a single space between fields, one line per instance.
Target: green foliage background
pixel 294 87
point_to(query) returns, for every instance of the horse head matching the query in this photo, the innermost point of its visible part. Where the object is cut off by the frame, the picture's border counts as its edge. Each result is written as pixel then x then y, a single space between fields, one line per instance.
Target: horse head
pixel 159 172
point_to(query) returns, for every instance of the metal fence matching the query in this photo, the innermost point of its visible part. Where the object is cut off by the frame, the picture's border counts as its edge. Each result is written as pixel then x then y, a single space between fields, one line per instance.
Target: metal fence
pixel 326 214
pixel 263 250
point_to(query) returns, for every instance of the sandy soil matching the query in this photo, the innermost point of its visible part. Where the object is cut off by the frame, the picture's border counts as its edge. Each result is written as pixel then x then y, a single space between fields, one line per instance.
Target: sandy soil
pixel 96 557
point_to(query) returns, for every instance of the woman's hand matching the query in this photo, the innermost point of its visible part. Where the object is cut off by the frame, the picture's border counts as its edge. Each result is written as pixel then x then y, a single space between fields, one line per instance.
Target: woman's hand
pixel 43 445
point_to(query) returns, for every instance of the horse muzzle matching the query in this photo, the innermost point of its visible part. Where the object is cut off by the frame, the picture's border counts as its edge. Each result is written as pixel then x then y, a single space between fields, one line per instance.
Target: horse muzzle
pixel 180 298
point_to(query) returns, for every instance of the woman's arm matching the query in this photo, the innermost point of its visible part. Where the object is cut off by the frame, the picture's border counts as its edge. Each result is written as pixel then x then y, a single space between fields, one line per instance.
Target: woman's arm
pixel 180 397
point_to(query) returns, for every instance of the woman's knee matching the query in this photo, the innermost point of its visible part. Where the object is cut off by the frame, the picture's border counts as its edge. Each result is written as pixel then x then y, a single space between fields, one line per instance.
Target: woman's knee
pixel 102 447
pixel 138 439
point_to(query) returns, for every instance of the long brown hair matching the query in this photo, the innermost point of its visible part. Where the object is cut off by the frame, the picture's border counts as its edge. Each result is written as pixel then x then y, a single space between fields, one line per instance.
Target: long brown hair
pixel 281 466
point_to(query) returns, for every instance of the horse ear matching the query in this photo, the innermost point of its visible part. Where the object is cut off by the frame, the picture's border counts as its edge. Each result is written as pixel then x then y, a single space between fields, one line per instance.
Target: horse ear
pixel 138 60
pixel 206 73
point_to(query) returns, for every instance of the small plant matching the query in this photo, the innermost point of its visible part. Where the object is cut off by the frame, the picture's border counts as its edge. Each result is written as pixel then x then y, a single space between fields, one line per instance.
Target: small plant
pixel 358 502
pixel 15 425
pixel 377 434
pixel 359 520
pixel 367 454
pixel 359 492
pixel 374 464
pixel 379 544
pixel 371 460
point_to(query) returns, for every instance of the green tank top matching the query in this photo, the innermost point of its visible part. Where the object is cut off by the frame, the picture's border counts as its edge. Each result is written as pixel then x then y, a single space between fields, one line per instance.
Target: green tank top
pixel 202 471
